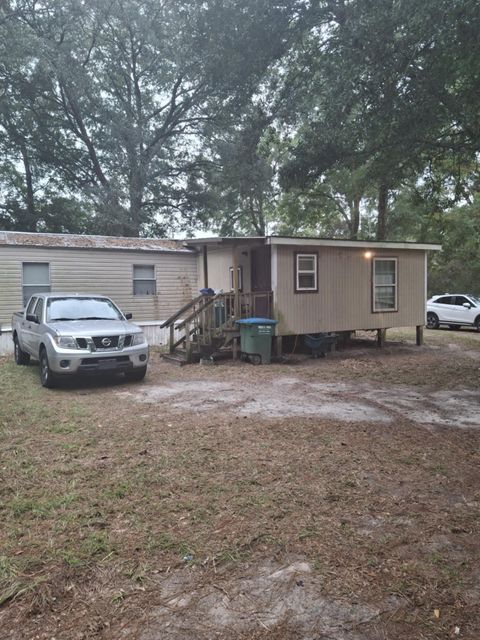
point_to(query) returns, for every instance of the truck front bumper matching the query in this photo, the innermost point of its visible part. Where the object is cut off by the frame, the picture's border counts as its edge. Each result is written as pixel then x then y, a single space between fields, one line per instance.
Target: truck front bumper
pixel 67 361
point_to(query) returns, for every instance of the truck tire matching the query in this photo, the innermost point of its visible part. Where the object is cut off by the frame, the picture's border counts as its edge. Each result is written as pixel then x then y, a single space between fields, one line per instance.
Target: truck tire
pixel 136 375
pixel 21 357
pixel 47 377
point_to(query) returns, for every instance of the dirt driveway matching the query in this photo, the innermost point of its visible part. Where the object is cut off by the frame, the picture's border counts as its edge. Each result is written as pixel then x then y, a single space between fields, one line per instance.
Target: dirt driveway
pixel 334 498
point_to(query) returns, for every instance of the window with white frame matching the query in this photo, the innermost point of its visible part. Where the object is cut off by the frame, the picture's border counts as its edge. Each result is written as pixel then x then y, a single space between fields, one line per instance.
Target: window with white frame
pixel 35 279
pixel 385 282
pixel 240 278
pixel 144 281
pixel 306 272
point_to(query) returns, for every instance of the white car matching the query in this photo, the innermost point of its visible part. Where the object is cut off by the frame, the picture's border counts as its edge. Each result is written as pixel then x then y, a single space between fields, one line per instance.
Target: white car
pixel 455 310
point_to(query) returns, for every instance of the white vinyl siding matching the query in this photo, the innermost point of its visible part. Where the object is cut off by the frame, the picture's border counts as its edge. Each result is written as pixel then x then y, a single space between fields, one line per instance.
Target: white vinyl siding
pixel 384 284
pixel 306 272
pixel 144 282
pixel 35 279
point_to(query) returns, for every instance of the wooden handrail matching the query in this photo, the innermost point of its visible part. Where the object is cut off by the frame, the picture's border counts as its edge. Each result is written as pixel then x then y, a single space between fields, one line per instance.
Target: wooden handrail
pixel 181 311
pixel 197 312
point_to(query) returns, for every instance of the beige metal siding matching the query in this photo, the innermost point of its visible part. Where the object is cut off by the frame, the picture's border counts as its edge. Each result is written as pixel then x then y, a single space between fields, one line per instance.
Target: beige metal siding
pixel 344 298
pixel 220 259
pixel 107 272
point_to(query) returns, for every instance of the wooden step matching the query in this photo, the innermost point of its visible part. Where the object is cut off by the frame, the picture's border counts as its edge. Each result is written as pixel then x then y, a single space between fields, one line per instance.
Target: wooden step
pixel 177 359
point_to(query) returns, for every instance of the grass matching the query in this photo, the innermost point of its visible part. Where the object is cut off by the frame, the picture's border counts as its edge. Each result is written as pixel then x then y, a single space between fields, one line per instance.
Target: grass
pixel 100 493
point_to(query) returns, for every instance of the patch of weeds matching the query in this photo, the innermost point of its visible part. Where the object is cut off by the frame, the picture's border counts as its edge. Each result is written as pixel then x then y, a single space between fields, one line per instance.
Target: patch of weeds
pixel 40 507
pixel 163 541
pixel 61 429
pixel 72 560
pixel 118 597
pixel 97 544
pixel 440 469
pixel 12 585
pixel 308 532
pixel 118 491
pixel 185 550
pixel 234 556
pixel 347 530
pixel 436 558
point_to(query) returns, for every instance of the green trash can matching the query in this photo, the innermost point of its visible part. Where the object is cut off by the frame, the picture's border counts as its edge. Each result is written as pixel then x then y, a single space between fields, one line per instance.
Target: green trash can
pixel 256 339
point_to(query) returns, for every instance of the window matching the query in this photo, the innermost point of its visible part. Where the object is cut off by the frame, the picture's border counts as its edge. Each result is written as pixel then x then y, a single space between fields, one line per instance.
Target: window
pixel 36 279
pixel 385 284
pixel 39 309
pixel 445 300
pixel 31 305
pixel 240 278
pixel 306 272
pixel 144 283
pixel 461 300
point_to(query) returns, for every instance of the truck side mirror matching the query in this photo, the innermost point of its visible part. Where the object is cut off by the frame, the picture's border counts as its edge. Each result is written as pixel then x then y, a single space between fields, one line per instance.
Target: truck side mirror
pixel 467 305
pixel 32 317
pixel 128 316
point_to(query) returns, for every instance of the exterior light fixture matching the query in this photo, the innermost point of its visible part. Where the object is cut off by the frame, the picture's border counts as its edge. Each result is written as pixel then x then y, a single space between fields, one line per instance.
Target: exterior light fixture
pixel 368 254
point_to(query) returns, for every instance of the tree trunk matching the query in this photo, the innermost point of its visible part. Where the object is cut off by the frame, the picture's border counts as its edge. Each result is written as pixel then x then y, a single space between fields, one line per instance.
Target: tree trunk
pixel 382 212
pixel 136 189
pixel 355 220
pixel 30 198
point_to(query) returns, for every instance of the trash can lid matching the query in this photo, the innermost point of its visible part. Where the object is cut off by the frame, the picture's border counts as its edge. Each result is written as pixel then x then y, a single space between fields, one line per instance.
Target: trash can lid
pixel 256 321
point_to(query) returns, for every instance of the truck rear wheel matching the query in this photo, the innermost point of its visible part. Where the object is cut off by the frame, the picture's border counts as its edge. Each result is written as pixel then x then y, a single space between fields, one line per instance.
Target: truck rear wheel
pixel 21 357
pixel 47 378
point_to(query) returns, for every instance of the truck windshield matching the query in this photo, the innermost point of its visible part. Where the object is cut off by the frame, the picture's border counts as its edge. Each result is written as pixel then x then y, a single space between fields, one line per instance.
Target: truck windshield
pixel 62 309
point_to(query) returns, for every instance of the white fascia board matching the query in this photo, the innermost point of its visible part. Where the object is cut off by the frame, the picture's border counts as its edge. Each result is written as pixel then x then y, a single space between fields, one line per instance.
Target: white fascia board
pixel 359 244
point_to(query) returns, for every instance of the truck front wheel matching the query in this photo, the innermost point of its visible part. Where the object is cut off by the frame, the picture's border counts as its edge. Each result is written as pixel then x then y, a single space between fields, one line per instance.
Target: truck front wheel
pixel 136 375
pixel 21 357
pixel 47 378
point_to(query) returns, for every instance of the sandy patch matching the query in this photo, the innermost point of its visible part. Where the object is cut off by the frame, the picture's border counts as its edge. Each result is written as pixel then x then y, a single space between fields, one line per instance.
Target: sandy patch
pixel 274 596
pixel 292 397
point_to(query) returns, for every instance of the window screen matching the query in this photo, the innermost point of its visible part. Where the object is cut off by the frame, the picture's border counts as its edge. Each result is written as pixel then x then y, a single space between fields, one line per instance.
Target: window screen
pixel 306 272
pixel 144 283
pixel 385 284
pixel 36 279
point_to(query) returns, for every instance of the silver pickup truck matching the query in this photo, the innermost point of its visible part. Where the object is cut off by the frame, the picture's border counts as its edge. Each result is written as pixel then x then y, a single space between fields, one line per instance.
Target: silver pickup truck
pixel 77 333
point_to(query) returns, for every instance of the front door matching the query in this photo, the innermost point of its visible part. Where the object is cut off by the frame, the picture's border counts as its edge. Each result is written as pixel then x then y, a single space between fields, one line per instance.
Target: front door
pixel 261 280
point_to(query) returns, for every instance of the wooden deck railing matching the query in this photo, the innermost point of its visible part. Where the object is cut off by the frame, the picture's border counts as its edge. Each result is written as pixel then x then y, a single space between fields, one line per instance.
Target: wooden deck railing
pixel 206 318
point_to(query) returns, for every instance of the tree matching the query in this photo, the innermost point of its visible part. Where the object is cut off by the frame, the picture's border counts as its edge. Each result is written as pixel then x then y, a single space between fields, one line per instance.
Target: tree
pixel 132 86
pixel 387 89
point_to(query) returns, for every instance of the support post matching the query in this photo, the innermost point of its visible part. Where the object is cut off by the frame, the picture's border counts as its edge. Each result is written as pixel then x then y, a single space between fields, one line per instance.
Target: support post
pixel 172 337
pixel 381 337
pixel 278 346
pixel 205 266
pixel 235 349
pixel 188 343
pixel 419 335
pixel 236 293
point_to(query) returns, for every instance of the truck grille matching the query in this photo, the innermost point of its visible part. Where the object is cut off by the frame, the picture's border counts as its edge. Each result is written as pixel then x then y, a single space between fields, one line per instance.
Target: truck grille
pixel 105 342
pixel 116 342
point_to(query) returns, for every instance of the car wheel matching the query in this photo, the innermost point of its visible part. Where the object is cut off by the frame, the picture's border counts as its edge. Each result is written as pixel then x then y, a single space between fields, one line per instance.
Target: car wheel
pixel 432 321
pixel 20 356
pixel 136 375
pixel 47 378
pixel 454 327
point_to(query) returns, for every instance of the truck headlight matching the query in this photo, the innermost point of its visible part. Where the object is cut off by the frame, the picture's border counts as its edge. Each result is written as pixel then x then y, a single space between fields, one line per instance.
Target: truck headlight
pixel 66 342
pixel 138 338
